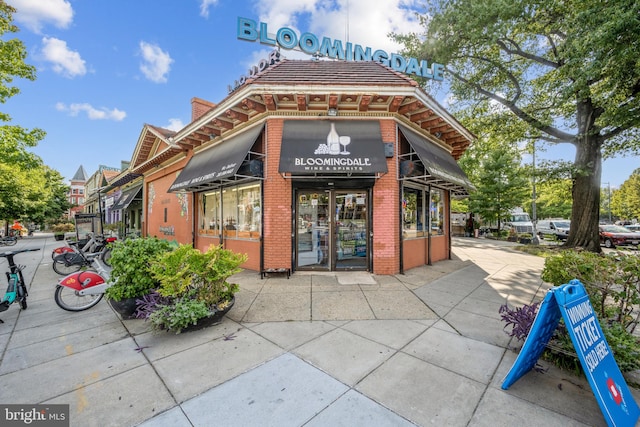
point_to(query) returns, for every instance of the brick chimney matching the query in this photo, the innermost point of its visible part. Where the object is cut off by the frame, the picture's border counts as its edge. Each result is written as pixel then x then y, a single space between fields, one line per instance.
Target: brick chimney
pixel 199 107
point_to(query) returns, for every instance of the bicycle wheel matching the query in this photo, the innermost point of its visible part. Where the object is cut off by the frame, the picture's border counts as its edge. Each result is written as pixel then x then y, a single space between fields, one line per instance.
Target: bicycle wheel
pixel 64 269
pixel 68 299
pixel 10 241
pixel 106 256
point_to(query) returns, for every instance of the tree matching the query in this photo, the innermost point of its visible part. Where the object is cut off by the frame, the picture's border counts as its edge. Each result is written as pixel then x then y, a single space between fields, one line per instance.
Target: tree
pixel 625 202
pixel 567 71
pixel 500 186
pixel 554 199
pixel 17 164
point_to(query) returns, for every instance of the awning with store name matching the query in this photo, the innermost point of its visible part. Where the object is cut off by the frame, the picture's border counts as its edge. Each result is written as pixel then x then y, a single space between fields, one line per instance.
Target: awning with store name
pixel 220 163
pixel 127 197
pixel 328 147
pixel 439 166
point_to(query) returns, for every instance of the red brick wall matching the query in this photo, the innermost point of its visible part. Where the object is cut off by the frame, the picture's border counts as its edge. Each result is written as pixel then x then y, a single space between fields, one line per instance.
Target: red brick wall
pixel 277 203
pixel 386 216
pixel 179 207
pixel 199 107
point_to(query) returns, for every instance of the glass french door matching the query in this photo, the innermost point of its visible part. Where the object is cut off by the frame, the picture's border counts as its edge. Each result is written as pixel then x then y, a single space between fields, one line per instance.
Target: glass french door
pixel 312 230
pixel 332 229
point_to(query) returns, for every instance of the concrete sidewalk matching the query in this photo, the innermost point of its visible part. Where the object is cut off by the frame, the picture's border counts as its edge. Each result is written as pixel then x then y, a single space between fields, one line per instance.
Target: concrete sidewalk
pixel 342 349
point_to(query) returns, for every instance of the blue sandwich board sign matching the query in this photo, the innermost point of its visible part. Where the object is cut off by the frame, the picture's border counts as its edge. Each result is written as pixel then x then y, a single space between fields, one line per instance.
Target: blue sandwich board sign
pixel 607 383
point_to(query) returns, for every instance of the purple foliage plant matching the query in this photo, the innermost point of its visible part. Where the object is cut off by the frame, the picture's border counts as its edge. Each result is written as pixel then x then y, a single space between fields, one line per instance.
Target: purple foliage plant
pixel 148 304
pixel 520 319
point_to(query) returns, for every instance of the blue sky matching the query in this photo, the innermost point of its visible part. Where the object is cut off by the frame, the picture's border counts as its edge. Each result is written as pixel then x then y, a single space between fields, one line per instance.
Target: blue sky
pixel 107 67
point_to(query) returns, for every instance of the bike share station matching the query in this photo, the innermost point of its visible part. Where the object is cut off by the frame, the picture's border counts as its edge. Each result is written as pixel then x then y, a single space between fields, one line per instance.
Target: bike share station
pixel 87 225
pixel 571 302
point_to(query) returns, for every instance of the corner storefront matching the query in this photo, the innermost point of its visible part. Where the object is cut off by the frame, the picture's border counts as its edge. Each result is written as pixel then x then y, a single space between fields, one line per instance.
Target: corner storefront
pixel 311 165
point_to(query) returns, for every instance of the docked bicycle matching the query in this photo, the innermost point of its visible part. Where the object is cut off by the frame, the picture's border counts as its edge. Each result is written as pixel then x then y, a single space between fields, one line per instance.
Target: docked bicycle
pixel 83 289
pixel 8 240
pixel 17 289
pixel 69 259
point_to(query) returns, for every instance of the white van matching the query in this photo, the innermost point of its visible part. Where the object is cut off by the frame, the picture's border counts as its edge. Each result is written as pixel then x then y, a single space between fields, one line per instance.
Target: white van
pixel 556 229
pixel 519 220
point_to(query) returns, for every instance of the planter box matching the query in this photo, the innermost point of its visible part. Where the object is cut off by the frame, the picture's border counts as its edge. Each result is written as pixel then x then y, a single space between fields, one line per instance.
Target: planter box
pixel 125 308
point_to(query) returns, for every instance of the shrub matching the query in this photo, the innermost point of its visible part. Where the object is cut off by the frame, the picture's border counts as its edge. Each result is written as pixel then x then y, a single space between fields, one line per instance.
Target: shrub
pixel 63 227
pixel 130 261
pixel 612 282
pixel 194 285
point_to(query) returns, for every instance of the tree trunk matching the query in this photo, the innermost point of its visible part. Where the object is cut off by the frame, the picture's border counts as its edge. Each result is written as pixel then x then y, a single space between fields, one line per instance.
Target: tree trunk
pixel 585 212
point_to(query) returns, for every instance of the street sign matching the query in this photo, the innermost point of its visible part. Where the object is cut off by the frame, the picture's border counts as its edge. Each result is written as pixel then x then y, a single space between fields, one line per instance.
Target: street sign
pixel 607 383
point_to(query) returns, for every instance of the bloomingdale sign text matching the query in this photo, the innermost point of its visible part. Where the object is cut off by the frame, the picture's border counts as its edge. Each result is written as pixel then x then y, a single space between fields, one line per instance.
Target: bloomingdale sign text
pixel 286 38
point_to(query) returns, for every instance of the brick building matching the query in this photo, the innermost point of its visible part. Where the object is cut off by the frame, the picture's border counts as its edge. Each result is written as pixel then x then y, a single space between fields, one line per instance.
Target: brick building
pixel 310 165
pixel 76 194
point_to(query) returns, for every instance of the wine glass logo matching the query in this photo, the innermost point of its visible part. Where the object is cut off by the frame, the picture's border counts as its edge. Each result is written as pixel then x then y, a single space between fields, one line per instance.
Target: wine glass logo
pixel 344 141
pixel 334 141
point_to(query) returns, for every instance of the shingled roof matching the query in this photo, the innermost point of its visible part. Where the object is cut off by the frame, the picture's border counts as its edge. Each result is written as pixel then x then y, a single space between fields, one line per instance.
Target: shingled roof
pixel 335 73
pixel 312 87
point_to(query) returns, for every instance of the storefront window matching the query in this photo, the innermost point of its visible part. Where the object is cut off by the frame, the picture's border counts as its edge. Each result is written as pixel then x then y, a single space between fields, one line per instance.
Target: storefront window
pixel 413 212
pixel 210 213
pixel 230 211
pixel 249 212
pixel 437 211
pixel 236 211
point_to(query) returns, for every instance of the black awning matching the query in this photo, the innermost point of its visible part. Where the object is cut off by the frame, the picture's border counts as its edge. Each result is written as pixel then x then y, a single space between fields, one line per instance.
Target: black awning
pixel 217 163
pixel 321 147
pixel 127 197
pixel 439 164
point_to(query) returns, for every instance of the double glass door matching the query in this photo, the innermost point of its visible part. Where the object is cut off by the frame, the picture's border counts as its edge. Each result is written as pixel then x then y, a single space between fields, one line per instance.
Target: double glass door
pixel 332 229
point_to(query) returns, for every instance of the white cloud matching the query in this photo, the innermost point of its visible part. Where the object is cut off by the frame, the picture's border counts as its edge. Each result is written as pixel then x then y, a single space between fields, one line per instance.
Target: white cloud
pixel 174 124
pixel 65 61
pixel 359 23
pixel 92 113
pixel 156 63
pixel 34 14
pixel 205 5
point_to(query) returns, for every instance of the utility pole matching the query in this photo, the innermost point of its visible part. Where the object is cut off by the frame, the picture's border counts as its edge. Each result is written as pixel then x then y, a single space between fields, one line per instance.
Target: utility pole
pixel 609 186
pixel 534 214
pixel 609 200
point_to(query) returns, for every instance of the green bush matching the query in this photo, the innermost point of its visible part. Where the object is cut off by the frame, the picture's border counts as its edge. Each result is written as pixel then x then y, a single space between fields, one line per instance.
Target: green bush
pixel 179 315
pixel 612 282
pixel 63 227
pixel 130 261
pixel 195 284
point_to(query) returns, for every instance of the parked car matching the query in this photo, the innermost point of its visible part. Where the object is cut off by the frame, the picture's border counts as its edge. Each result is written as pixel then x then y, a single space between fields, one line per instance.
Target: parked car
pixel 633 227
pixel 554 228
pixel 616 235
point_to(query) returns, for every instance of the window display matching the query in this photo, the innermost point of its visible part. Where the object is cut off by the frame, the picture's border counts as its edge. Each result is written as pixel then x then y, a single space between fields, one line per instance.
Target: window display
pixel 232 211
pixel 210 213
pixel 437 211
pixel 413 212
